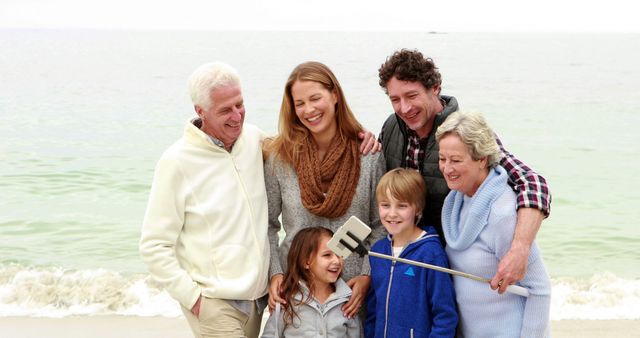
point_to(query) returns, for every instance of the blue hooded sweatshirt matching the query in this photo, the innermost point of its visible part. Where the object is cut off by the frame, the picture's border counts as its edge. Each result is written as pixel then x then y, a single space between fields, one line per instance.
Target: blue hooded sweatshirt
pixel 410 301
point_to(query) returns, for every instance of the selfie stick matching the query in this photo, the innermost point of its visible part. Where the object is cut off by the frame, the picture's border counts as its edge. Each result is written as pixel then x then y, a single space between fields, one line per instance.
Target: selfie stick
pixel 361 250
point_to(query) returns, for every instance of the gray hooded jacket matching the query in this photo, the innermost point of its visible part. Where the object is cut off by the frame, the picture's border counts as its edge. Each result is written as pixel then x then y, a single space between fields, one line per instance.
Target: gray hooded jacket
pixel 323 320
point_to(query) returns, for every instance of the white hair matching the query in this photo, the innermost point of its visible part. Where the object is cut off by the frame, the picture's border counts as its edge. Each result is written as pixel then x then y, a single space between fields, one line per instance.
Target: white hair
pixel 207 78
pixel 475 133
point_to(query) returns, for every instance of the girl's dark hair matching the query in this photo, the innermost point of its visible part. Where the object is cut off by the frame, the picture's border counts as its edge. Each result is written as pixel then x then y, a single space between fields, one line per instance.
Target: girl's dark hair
pixel 305 244
pixel 409 65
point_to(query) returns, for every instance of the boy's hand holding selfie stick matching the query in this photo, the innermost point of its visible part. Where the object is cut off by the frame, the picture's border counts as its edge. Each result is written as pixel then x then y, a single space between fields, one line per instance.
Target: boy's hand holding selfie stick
pixel 353 232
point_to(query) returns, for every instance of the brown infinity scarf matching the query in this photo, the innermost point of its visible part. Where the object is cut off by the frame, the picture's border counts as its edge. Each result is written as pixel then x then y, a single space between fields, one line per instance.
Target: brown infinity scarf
pixel 337 174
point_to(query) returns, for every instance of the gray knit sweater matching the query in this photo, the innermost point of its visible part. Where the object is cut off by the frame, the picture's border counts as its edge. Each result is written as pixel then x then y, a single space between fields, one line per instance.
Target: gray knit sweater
pixel 283 193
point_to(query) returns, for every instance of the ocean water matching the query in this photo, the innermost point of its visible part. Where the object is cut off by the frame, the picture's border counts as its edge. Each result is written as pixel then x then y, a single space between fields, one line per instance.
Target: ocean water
pixel 84 115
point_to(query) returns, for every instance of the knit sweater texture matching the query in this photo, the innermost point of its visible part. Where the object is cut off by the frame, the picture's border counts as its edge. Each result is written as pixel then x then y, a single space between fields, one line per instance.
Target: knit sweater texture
pixel 479 231
pixel 205 228
pixel 283 194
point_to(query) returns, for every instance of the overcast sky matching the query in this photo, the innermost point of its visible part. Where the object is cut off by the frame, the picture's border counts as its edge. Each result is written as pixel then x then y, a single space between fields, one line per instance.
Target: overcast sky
pixel 347 15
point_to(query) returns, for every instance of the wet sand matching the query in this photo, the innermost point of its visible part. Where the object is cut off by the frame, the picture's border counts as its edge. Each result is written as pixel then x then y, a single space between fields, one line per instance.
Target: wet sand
pixel 161 327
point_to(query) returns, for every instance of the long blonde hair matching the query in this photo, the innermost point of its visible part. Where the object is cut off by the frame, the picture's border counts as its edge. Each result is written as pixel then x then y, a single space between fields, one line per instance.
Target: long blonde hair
pixel 291 132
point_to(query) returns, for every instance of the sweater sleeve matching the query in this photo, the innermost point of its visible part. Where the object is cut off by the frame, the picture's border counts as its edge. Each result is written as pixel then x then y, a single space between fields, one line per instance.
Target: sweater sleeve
pixel 274 200
pixel 536 311
pixel 162 225
pixel 442 299
pixel 535 322
pixel 377 230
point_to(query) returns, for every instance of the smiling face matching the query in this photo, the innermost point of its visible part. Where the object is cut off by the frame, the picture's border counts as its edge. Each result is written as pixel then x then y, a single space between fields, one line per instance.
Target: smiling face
pixel 416 105
pixel 315 107
pixel 325 266
pixel 460 170
pixel 224 119
pixel 399 218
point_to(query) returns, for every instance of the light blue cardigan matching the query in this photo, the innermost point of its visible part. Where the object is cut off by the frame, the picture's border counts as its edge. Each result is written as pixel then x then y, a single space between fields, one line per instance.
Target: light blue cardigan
pixel 479 231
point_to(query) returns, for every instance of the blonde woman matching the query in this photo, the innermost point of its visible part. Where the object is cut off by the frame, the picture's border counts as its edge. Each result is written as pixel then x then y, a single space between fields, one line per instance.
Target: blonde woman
pixel 315 174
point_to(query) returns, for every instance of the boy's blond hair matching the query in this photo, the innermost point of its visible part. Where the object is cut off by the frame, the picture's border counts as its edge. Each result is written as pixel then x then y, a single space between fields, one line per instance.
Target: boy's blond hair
pixel 405 185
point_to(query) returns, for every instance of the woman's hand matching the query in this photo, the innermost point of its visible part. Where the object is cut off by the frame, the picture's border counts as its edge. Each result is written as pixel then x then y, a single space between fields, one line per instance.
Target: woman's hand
pixel 274 291
pixel 359 286
pixel 369 143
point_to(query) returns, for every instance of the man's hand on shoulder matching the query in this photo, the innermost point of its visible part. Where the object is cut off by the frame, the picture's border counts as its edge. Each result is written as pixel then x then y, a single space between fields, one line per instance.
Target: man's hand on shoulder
pixel 369 143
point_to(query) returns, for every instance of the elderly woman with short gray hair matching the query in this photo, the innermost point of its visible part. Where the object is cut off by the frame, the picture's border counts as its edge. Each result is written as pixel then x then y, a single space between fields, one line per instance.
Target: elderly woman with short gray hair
pixel 478 221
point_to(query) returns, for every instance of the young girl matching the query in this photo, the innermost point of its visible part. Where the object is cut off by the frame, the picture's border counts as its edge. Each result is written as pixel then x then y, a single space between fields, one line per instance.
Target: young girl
pixel 313 291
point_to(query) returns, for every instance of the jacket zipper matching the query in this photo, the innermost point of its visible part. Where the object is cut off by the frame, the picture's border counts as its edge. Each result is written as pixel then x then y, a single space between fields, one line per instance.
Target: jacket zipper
pixel 386 304
pixel 246 198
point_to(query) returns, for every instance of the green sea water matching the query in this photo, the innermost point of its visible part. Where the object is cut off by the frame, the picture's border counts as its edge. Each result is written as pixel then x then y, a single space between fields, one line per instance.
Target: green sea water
pixel 84 115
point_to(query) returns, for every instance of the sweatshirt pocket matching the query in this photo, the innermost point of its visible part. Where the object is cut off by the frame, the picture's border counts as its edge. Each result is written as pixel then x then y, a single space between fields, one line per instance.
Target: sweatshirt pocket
pixel 232 261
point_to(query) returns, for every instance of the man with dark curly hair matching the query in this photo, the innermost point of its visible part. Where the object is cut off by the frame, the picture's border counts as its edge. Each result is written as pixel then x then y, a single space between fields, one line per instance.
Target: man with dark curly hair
pixel 412 83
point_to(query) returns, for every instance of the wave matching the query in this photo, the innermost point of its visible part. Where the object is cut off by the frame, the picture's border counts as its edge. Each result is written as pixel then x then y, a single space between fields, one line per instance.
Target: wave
pixel 600 297
pixel 56 292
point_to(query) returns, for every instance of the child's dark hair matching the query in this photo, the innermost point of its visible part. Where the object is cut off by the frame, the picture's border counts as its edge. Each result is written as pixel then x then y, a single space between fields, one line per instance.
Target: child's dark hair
pixel 303 246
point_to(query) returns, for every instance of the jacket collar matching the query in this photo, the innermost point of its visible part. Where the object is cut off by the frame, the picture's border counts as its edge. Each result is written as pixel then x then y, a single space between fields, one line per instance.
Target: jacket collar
pixel 342 291
pixel 461 233
pixel 194 135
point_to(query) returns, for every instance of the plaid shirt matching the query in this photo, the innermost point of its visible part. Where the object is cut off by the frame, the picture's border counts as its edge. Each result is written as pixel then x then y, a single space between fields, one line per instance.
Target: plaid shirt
pixel 532 189
pixel 415 150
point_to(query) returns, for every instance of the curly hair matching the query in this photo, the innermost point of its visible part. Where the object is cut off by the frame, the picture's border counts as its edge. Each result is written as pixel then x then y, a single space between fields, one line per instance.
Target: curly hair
pixel 409 65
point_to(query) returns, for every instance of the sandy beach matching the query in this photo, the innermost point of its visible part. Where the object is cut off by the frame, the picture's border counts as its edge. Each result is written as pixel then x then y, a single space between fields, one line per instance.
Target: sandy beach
pixel 160 327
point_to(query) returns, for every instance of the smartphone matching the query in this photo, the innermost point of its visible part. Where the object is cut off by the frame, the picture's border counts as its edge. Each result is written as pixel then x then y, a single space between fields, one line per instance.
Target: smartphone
pixel 357 228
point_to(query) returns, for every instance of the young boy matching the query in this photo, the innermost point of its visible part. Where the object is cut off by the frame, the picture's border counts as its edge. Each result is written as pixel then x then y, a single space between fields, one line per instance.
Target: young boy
pixel 405 300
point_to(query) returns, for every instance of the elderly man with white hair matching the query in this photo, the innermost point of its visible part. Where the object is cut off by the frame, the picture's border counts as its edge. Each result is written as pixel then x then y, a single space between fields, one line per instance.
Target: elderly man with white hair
pixel 204 235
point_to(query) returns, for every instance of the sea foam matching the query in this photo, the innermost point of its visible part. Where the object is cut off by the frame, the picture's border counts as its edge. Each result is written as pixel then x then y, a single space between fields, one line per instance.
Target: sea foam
pixel 55 292
pixel 603 296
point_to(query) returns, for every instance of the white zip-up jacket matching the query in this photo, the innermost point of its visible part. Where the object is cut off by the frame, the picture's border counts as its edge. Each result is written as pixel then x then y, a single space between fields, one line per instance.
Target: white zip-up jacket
pixel 205 228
